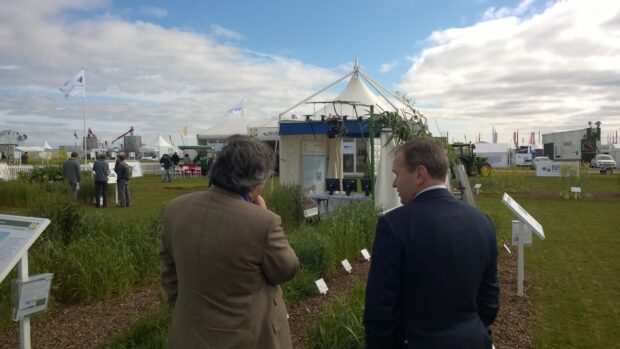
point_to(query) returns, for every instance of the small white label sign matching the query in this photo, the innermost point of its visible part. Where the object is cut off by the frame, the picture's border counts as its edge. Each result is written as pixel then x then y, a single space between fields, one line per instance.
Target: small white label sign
pixel 322 286
pixel 507 249
pixel 366 254
pixel 575 189
pixel 347 266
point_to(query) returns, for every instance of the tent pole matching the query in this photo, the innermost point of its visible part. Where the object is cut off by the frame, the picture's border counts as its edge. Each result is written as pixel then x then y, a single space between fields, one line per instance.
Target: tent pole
pixel 372 150
pixel 320 91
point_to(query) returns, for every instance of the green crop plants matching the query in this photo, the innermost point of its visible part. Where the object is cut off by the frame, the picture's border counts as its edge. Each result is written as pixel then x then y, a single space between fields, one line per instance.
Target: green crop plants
pixel 286 201
pixel 322 246
pixel 341 325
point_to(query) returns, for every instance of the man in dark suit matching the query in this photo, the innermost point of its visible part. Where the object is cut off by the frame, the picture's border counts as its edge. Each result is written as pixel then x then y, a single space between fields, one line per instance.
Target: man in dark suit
pixel 224 256
pixel 433 276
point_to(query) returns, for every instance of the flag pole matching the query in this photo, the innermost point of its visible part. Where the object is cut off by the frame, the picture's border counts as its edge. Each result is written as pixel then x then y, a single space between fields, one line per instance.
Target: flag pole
pixel 84 117
pixel 84 138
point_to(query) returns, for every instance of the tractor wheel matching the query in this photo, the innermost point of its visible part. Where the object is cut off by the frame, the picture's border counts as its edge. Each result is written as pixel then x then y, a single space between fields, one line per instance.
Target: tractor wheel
pixel 485 170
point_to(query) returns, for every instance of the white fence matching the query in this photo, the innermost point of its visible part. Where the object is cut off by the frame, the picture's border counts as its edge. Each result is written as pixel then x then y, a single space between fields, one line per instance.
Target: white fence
pixel 11 172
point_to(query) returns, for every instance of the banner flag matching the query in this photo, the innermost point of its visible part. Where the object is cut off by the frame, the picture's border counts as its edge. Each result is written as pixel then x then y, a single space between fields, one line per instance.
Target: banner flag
pixel 238 109
pixel 75 86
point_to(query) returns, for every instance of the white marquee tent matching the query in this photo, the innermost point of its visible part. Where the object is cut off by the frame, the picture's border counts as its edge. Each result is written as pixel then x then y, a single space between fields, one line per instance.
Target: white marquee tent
pixel 497 154
pixel 161 146
pixel 308 155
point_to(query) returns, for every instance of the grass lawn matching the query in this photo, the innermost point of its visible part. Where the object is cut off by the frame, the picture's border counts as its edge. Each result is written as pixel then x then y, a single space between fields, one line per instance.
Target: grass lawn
pixel 573 275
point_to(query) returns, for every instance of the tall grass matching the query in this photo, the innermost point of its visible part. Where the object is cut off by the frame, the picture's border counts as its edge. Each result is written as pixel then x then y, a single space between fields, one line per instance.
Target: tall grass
pixel 321 247
pixel 92 256
pixel 341 325
pixel 287 202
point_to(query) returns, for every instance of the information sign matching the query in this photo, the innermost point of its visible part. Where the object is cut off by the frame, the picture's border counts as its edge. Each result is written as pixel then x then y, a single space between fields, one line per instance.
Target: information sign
pixel 523 215
pixel 30 297
pixel 321 285
pixel 17 234
pixel 365 254
pixel 347 266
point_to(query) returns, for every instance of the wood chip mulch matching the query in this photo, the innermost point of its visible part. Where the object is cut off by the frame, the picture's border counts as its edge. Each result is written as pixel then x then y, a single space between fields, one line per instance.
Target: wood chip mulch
pixel 87 326
pixel 95 325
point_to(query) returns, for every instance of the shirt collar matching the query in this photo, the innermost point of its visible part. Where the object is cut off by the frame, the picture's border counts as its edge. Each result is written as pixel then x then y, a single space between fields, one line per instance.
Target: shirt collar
pixel 432 187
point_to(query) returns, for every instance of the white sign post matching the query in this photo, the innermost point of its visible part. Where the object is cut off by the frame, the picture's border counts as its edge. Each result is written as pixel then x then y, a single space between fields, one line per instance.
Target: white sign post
pixel 17 234
pixel 522 235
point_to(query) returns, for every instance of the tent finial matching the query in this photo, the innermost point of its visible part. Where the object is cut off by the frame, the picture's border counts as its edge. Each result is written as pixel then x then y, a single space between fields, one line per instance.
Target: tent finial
pixel 356 66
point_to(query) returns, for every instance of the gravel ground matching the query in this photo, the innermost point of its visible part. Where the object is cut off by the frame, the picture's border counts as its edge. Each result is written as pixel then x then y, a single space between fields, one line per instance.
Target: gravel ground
pixel 94 325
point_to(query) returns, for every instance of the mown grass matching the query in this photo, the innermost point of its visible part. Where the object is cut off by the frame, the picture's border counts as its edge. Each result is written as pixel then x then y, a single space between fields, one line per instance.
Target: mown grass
pixel 574 274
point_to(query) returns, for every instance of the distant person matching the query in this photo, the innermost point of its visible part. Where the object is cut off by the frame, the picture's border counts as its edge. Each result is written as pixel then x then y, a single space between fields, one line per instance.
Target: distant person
pixel 102 171
pixel 222 279
pixel 71 172
pixel 210 162
pixel 166 164
pixel 175 159
pixel 433 277
pixel 122 181
pixel 187 160
pixel 24 158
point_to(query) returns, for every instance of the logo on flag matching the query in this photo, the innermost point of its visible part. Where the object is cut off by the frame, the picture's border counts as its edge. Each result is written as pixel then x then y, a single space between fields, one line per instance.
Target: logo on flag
pixel 75 86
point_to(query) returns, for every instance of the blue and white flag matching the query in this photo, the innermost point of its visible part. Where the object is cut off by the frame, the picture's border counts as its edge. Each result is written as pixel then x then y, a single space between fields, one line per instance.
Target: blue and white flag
pixel 75 86
pixel 238 109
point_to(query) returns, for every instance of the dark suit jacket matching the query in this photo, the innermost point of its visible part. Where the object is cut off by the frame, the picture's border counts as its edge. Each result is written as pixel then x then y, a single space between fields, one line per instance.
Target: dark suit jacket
pixel 433 276
pixel 222 262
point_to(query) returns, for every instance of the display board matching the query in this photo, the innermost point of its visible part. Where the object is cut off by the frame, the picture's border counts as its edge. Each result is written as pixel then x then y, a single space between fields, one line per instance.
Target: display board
pixel 523 215
pixel 17 234
pixel 31 297
pixel 557 168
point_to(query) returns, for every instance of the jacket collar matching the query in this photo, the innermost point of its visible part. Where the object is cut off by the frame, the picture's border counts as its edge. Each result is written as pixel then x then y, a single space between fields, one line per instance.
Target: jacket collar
pixel 433 193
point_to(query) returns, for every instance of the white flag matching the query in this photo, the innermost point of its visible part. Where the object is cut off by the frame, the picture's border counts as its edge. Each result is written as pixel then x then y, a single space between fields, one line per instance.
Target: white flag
pixel 75 86
pixel 238 109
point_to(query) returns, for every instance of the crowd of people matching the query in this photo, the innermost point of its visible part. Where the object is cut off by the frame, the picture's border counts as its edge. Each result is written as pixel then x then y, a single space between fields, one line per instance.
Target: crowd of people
pixel 101 173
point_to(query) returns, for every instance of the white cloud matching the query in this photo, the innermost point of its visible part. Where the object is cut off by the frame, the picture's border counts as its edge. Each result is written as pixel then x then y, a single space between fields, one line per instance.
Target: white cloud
pixel 152 11
pixel 386 67
pixel 222 32
pixel 9 67
pixel 522 8
pixel 138 74
pixel 552 71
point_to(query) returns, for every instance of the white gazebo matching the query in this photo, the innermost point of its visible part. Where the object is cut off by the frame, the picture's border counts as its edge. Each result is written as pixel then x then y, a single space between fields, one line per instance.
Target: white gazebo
pixel 333 139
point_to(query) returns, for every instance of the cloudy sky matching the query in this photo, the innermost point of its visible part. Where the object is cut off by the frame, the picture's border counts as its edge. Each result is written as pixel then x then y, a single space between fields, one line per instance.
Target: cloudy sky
pixel 159 66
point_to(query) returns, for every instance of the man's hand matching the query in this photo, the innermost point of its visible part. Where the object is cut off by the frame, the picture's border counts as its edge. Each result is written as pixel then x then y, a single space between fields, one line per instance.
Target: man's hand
pixel 258 200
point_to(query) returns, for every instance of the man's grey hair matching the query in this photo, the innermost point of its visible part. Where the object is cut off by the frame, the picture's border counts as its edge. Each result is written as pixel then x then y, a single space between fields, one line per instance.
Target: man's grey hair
pixel 242 164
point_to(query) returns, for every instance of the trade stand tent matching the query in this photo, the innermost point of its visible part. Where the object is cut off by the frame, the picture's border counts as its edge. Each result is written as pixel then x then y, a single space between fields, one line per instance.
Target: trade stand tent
pixel 497 154
pixel 161 146
pixel 215 136
pixel 333 140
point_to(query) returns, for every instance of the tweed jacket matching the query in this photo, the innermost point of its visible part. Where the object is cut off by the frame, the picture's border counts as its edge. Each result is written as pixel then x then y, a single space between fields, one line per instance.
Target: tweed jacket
pixel 223 259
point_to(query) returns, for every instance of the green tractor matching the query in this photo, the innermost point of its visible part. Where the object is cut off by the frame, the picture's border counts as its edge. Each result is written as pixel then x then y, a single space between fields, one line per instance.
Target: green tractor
pixel 473 163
